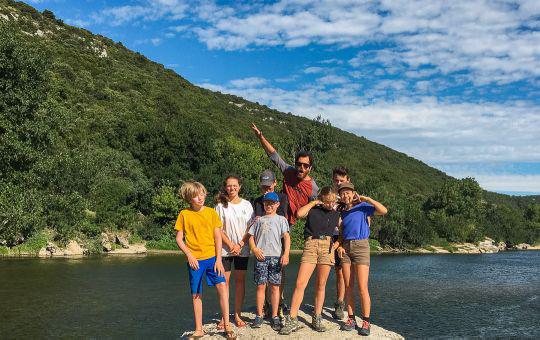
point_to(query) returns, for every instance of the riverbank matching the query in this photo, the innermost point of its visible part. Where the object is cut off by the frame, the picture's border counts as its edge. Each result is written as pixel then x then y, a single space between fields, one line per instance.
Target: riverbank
pixel 122 243
pixel 306 332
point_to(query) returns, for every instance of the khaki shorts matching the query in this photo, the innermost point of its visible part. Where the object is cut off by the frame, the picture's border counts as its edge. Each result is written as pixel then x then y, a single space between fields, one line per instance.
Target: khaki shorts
pixel 317 251
pixel 356 252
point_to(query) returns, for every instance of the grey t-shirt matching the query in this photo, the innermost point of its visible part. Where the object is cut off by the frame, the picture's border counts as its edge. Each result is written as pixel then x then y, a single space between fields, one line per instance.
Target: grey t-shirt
pixel 267 232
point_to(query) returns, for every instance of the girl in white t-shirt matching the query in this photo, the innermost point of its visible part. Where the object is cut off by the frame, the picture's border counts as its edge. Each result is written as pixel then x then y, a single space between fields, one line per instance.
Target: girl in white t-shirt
pixel 235 214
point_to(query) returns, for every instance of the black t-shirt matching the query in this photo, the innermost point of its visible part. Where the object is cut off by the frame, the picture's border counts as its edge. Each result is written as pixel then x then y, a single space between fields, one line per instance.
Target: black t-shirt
pixel 321 222
pixel 258 207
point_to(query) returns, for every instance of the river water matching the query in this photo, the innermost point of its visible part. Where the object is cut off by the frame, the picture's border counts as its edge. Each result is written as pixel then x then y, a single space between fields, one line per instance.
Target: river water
pixel 492 295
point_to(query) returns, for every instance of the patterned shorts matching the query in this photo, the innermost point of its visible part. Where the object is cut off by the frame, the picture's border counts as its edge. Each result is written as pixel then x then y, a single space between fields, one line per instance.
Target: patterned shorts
pixel 268 270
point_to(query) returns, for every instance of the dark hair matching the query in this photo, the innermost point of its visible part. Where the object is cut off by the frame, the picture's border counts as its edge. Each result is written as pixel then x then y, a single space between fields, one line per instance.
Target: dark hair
pixel 325 191
pixel 303 153
pixel 340 171
pixel 222 196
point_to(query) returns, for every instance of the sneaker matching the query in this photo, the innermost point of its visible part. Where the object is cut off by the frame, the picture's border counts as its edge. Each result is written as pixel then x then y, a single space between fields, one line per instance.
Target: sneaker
pixel 257 323
pixel 364 330
pixel 316 323
pixel 276 323
pixel 291 325
pixel 349 325
pixel 339 310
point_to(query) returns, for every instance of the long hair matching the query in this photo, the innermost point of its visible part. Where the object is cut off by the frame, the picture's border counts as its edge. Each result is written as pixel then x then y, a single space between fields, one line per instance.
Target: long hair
pixel 222 196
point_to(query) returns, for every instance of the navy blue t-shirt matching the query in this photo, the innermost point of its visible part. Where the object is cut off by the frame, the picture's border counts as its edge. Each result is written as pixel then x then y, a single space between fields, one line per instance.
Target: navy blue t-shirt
pixel 355 224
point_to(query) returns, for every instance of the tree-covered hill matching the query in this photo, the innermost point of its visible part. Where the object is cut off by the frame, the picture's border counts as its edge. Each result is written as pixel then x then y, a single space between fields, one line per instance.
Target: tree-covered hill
pixel 96 137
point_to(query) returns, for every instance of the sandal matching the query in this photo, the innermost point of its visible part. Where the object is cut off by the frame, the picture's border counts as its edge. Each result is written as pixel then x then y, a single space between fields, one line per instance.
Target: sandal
pixel 240 323
pixel 220 325
pixel 196 336
pixel 229 332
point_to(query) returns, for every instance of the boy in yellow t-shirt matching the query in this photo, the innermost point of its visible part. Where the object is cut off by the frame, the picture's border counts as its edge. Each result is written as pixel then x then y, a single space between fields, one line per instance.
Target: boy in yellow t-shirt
pixel 199 237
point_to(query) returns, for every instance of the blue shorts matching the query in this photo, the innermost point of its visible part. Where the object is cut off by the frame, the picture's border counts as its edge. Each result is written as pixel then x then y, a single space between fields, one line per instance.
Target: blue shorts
pixel 196 276
pixel 268 270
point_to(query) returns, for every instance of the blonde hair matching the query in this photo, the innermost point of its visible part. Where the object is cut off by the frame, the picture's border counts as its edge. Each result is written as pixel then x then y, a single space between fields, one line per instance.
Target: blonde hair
pixel 190 189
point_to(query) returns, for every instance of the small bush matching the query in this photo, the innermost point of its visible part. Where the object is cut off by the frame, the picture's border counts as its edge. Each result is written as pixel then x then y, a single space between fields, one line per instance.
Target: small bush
pixel 373 244
pixel 165 243
pixel 4 250
pixel 33 244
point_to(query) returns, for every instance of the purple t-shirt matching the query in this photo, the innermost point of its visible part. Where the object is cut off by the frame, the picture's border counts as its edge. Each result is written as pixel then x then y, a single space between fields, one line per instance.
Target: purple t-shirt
pixel 355 223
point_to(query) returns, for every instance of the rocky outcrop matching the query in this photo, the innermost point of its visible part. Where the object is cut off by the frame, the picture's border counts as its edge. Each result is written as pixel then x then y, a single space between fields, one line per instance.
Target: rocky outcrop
pixel 488 246
pixel 522 246
pixel 131 249
pixel 123 241
pixel 53 250
pixel 106 242
pixel 306 332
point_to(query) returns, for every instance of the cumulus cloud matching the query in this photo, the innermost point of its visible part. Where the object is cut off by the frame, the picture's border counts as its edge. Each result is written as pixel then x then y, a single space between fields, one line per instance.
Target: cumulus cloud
pixel 497 41
pixel 148 10
pixel 426 128
pixel 250 82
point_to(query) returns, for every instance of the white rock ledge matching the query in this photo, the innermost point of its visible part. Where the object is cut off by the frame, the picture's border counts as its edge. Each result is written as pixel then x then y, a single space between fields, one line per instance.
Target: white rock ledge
pixel 266 332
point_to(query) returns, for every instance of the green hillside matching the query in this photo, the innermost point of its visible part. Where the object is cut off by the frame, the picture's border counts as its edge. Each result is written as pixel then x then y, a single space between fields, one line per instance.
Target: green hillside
pixel 96 137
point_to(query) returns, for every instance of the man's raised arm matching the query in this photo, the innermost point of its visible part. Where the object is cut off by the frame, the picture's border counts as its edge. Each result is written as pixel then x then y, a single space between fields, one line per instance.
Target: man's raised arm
pixel 270 150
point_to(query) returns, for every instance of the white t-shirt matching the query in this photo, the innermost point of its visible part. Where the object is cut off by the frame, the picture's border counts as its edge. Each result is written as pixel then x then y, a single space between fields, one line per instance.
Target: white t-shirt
pixel 236 219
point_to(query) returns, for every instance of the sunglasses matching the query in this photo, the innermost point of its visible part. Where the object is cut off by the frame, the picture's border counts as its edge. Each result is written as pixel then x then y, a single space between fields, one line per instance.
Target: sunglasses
pixel 302 165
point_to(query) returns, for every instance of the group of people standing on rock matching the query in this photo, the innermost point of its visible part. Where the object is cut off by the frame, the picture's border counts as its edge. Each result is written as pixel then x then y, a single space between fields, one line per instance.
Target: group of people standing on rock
pixel 218 242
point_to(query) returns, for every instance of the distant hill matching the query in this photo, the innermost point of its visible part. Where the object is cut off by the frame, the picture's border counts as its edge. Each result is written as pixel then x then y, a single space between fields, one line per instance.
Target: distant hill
pixel 112 134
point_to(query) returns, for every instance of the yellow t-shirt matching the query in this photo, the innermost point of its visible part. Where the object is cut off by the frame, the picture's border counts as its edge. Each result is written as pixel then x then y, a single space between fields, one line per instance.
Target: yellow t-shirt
pixel 198 228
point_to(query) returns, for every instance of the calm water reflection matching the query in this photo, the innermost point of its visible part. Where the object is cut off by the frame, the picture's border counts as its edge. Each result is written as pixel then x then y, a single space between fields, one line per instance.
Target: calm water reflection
pixel 119 297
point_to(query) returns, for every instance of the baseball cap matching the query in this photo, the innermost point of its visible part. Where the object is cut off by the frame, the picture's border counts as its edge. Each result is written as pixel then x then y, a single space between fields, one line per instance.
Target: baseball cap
pixel 267 178
pixel 271 196
pixel 345 185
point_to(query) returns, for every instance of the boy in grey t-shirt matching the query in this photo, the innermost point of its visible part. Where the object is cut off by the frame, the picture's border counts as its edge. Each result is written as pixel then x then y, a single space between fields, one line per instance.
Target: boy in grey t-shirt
pixel 265 243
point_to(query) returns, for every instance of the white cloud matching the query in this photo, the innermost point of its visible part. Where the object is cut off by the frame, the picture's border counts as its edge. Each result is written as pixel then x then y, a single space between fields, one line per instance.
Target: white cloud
pixel 332 80
pixel 248 82
pixel 148 10
pixel 486 38
pixel 509 183
pixel 427 128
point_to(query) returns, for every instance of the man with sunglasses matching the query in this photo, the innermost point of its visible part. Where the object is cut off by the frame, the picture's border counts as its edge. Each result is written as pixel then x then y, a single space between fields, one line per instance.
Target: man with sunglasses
pixel 299 187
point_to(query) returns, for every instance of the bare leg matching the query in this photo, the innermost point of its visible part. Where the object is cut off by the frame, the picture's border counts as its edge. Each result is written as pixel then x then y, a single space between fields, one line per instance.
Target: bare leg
pixel 275 299
pixel 223 296
pixel 362 275
pixel 239 293
pixel 260 299
pixel 348 278
pixel 340 284
pixel 304 274
pixel 323 271
pixel 197 313
pixel 228 282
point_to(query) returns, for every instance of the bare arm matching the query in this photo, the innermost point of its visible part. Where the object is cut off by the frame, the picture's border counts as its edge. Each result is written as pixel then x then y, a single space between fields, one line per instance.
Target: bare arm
pixel 268 148
pixel 256 251
pixel 225 239
pixel 303 211
pixel 193 263
pixel 285 257
pixel 379 208
pixel 218 267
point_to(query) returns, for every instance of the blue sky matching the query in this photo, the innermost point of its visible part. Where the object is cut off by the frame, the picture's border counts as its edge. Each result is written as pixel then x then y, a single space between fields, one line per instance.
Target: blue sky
pixel 455 84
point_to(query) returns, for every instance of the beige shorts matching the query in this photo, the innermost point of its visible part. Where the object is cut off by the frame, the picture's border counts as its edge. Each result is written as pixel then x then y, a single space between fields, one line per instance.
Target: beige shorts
pixel 356 252
pixel 318 251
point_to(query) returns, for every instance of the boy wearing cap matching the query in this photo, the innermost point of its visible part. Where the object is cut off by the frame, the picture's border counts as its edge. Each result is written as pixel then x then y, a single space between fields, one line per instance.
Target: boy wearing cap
pixel 267 183
pixel 265 242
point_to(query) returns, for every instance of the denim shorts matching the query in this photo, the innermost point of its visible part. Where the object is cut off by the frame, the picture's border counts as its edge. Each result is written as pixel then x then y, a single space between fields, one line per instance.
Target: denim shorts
pixel 268 270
